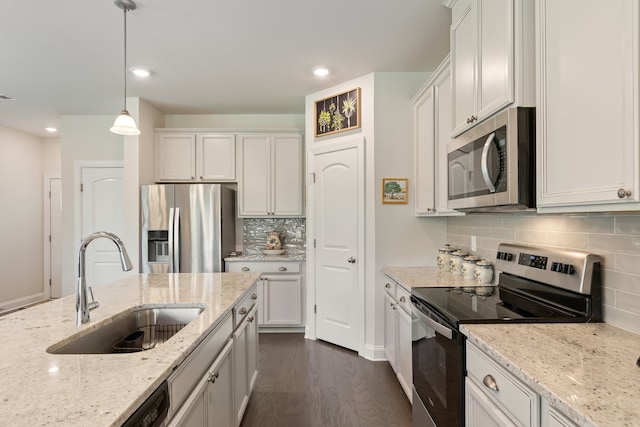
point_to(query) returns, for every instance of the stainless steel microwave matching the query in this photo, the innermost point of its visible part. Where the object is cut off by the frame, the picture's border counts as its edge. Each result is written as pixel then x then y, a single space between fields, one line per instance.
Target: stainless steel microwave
pixel 492 166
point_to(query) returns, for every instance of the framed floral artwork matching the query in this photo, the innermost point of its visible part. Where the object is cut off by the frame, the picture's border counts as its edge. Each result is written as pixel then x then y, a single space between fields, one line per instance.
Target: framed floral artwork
pixel 395 191
pixel 338 113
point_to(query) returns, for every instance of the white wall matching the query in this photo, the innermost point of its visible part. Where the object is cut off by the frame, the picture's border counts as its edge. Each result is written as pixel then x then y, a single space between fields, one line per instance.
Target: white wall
pixel 393 235
pixel 235 121
pixel 84 138
pixel 21 220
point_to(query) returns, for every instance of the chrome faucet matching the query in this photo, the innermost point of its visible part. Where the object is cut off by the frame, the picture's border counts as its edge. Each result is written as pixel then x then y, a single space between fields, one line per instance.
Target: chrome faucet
pixel 82 306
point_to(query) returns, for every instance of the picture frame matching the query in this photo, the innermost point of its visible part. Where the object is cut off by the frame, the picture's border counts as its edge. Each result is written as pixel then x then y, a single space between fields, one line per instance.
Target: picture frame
pixel 395 191
pixel 337 113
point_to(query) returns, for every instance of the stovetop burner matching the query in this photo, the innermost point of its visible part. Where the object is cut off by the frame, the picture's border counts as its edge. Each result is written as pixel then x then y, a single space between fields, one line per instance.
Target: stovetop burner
pixel 537 284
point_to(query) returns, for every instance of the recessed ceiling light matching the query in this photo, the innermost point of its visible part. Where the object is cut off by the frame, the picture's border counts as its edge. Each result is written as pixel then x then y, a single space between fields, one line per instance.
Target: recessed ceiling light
pixel 320 71
pixel 51 129
pixel 140 72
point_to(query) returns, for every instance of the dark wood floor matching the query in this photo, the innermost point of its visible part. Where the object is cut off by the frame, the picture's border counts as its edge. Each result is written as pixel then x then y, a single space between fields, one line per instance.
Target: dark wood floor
pixel 304 383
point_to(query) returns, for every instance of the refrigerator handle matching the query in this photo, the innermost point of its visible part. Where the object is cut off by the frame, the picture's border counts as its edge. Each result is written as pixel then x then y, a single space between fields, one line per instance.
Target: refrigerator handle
pixel 171 216
pixel 176 241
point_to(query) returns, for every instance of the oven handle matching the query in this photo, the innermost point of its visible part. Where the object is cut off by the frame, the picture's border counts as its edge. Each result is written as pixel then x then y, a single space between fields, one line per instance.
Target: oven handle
pixel 485 163
pixel 439 328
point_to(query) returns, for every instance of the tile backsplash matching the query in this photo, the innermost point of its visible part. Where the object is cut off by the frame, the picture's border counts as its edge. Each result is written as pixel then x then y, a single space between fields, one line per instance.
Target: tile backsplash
pixel 292 235
pixel 615 237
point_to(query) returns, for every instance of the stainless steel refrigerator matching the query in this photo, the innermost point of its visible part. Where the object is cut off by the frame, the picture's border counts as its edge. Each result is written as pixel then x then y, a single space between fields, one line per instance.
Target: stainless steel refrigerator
pixel 187 228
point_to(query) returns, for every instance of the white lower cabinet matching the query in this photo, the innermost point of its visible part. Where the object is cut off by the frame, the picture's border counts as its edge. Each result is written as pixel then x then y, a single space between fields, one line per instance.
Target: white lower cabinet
pixel 397 334
pixel 496 398
pixel 212 387
pixel 245 357
pixel 210 402
pixel 280 292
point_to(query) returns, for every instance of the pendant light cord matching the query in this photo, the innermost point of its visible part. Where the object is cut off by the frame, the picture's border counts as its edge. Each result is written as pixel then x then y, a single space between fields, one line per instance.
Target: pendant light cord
pixel 125 58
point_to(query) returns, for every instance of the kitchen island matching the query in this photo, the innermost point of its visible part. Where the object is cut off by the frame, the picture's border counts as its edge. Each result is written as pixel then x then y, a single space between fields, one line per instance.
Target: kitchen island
pixel 39 388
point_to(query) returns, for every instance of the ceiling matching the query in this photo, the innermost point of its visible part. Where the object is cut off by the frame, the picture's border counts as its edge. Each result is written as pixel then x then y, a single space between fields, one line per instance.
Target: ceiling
pixel 207 56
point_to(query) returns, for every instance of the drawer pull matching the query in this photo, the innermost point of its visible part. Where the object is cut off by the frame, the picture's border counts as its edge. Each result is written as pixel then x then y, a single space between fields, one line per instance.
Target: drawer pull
pixel 245 268
pixel 254 296
pixel 388 285
pixel 250 319
pixel 283 269
pixel 242 310
pixel 490 382
pixel 403 299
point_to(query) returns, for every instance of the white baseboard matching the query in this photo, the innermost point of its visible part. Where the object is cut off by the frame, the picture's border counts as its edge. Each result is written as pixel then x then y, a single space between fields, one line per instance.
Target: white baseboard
pixel 374 353
pixel 16 304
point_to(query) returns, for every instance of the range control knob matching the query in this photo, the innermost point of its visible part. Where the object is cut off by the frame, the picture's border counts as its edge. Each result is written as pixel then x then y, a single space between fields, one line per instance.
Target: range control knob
pixel 568 269
pixel 556 266
pixel 505 256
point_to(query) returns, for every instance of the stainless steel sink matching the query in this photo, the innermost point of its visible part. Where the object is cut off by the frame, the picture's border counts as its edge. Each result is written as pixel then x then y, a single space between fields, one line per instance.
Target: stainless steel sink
pixel 135 330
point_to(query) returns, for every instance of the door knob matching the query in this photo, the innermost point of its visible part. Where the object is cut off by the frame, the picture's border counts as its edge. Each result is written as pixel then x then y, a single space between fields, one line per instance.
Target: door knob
pixel 352 260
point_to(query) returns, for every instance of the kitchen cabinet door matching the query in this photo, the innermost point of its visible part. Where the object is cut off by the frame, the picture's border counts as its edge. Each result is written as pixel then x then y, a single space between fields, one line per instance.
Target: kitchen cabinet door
pixel 216 157
pixel 432 120
pixel 588 106
pixel 463 67
pixel 492 59
pixel 245 363
pixel 390 308
pixel 403 346
pixel 282 300
pixel 271 176
pixel 175 154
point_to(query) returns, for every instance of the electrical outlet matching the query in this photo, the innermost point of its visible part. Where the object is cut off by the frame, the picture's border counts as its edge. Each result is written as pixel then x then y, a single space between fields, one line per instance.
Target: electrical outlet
pixel 473 243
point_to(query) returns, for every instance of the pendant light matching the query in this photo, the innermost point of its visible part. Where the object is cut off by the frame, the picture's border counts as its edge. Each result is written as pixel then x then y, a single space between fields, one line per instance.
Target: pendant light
pixel 124 124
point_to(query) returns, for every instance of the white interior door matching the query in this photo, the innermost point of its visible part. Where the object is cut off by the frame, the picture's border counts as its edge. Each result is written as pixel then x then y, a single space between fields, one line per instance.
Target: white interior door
pixel 337 209
pixel 54 257
pixel 102 210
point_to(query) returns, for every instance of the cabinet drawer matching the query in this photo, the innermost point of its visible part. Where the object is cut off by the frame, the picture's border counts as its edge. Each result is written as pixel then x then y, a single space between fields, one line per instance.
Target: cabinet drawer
pixel 390 287
pixel 404 298
pixel 264 267
pixel 182 381
pixel 241 309
pixel 512 396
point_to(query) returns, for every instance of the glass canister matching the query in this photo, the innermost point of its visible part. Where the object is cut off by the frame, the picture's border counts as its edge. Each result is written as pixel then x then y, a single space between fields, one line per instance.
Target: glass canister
pixel 484 272
pixel 455 263
pixel 444 255
pixel 469 267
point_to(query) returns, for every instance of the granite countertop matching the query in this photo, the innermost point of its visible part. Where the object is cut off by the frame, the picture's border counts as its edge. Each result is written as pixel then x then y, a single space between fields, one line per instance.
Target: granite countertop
pixel 587 371
pixel 266 258
pixel 427 277
pixel 39 388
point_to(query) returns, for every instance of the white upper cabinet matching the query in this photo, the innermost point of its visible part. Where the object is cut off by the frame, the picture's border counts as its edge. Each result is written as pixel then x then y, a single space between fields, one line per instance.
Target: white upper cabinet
pixel 588 100
pixel 492 59
pixel 432 119
pixel 270 175
pixel 195 157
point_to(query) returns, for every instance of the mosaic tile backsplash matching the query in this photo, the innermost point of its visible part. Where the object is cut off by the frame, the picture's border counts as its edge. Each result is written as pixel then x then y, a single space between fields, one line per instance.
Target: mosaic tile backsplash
pixel 292 235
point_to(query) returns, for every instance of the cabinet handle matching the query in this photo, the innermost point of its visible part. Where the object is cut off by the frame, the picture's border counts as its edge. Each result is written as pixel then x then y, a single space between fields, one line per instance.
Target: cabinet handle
pixel 254 296
pixel 468 120
pixel 490 382
pixel 213 377
pixel 250 319
pixel 351 260
pixel 242 310
pixel 283 269
pixel 403 299
pixel 622 193
pixel 388 285
pixel 245 269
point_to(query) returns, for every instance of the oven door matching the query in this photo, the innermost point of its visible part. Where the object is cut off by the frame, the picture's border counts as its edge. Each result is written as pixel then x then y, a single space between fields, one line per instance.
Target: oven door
pixel 438 369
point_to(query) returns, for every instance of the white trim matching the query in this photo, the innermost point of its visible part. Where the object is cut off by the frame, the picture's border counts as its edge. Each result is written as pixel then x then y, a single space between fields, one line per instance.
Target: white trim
pixel 12 305
pixel 46 244
pixel 328 146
